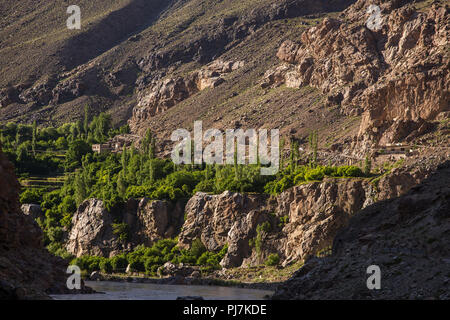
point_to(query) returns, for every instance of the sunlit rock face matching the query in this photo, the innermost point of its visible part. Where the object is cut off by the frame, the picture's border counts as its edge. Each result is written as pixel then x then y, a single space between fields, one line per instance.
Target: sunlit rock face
pixel 396 76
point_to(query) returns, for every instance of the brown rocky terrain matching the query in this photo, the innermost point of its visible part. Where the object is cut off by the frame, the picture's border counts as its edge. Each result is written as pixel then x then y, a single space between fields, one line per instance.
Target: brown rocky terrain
pixel 407 237
pixel 295 65
pixel 92 230
pixel 218 62
pixel 27 269
pixel 315 213
pixel 122 45
pixel 396 77
pixel 302 221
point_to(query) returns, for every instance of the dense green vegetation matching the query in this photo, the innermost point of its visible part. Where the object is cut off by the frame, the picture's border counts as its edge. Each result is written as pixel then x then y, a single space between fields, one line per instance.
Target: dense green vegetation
pixel 115 177
pixel 149 259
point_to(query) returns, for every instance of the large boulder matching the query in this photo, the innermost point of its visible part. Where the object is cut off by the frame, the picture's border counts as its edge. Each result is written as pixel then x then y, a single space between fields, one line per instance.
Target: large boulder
pixel 210 218
pixel 318 211
pixel 147 221
pixel 151 220
pixel 92 232
pixel 32 210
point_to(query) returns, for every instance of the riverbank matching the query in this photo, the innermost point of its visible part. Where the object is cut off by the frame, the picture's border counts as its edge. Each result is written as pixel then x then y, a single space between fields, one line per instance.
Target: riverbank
pixel 258 277
pixel 113 290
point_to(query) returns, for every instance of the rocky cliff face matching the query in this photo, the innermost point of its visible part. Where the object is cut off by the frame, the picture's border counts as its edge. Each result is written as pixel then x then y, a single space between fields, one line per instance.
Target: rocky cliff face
pixel 93 233
pixel 407 237
pixel 317 212
pixel 210 218
pixel 395 75
pixel 161 95
pixel 27 269
pixel 304 220
pixel 124 45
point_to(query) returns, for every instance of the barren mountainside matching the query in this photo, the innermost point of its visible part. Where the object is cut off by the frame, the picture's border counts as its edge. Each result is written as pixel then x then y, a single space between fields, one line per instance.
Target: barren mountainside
pixel 292 65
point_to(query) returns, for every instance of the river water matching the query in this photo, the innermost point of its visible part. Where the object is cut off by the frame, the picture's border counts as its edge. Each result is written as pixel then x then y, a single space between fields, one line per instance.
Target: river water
pixel 149 291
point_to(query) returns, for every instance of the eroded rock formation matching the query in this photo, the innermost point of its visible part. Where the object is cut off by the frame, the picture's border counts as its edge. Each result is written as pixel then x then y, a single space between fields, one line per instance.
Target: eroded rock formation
pixel 161 95
pixel 93 232
pixel 303 220
pixel 406 237
pixel 210 218
pixel 395 76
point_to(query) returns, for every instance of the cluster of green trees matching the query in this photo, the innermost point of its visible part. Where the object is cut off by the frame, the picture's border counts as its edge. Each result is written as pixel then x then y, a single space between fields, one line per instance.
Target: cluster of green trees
pixel 301 174
pixel 150 259
pixel 134 173
pixel 50 150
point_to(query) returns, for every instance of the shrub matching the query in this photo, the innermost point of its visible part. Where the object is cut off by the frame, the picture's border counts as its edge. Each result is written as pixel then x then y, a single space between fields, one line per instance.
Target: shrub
pixel 57 249
pixel 283 221
pixel 260 230
pixel 55 234
pixel 119 263
pixel 121 230
pixel 197 248
pixel 273 260
pixel 31 196
pixel 353 171
pixel 137 264
pixel 105 266
pixel 315 174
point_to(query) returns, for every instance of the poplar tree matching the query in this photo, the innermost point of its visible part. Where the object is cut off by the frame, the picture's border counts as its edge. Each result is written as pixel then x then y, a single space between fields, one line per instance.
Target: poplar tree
pixel 282 143
pixel 33 139
pixel 86 121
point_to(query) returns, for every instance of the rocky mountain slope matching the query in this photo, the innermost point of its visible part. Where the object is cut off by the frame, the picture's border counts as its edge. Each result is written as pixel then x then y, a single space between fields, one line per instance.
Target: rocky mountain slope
pixel 122 47
pixel 220 62
pixel 396 76
pixel 407 237
pixel 27 269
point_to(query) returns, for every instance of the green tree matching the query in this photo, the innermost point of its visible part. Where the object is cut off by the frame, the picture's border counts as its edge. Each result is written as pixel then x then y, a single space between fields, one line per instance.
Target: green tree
pixel 33 139
pixel 18 139
pixel 282 143
pixel 86 120
pixel 121 185
pixel 77 149
pixel 147 141
pixel 79 188
pixel 22 153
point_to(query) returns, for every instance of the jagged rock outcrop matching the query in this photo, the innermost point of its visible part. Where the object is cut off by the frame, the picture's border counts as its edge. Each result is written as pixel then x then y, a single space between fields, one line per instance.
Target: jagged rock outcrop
pixel 93 233
pixel 210 218
pixel 153 220
pixel 395 76
pixel 161 95
pixel 318 211
pixel 32 210
pixel 27 269
pixel 406 237
pixel 304 220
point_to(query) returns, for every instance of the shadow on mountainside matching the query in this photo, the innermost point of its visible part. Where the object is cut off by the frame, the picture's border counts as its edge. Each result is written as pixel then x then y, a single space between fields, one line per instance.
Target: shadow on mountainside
pixel 407 237
pixel 110 31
